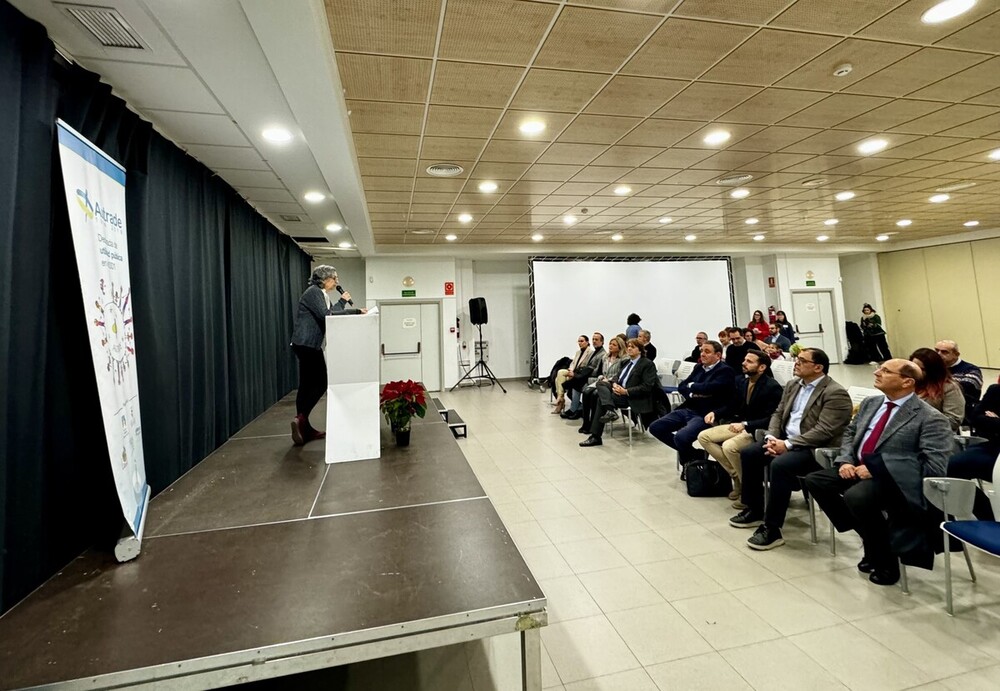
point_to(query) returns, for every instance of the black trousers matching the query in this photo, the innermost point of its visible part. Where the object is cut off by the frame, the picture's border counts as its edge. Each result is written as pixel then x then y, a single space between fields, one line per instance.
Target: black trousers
pixel 976 463
pixel 312 379
pixel 589 398
pixel 878 348
pixel 604 401
pixel 786 470
pixel 858 505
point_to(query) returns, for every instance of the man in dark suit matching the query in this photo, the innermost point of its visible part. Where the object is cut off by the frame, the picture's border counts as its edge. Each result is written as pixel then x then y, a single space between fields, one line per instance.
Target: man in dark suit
pixel 699 340
pixel 813 412
pixel 893 443
pixel 709 387
pixel 738 348
pixel 757 397
pixel 632 388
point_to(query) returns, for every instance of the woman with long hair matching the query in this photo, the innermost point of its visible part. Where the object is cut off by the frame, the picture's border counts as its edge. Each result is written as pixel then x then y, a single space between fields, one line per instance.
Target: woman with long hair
pixel 938 388
pixel 613 361
pixel 760 327
pixel 784 326
pixel 874 334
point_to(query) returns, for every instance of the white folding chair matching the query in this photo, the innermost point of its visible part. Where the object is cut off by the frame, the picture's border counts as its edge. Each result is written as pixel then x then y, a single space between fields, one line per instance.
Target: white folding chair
pixel 783 371
pixel 684 371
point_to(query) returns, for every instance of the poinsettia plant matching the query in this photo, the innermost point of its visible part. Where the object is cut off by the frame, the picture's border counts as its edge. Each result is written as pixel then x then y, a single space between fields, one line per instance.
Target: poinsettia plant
pixel 400 401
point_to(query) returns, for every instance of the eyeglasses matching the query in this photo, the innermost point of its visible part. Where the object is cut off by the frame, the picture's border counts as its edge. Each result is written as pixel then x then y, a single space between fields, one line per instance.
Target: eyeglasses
pixel 886 370
pixel 803 361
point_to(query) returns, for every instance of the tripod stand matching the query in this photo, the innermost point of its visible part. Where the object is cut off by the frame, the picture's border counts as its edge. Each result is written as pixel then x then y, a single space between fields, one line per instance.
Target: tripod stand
pixel 484 370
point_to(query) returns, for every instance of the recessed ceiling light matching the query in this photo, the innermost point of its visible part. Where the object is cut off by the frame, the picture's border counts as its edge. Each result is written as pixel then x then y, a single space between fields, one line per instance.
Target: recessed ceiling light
pixel 904 222
pixel 717 137
pixel 831 222
pixel 737 179
pixel 938 198
pixel 532 126
pixel 822 238
pixel 451 237
pixel 943 11
pixel 277 135
pixel 843 196
pixel 666 219
pixel 334 227
pixel 421 232
pixel 617 237
pixel 344 245
pixel 872 146
pixel 994 155
pixel 759 238
pixel 569 219
pixel 970 224
pixel 740 193
pixel 752 221
pixel 537 237
pixel 956 187
pixel 881 238
pixel 487 187
pixel 464 218
pixel 815 182
pixel 314 197
pixel 690 238
pixel 622 190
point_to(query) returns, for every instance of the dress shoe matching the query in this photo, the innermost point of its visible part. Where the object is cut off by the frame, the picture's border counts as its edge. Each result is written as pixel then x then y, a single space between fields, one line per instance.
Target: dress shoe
pixel 884 576
pixel 574 415
pixel 610 415
pixel 584 430
pixel 592 441
pixel 298 436
pixel 866 565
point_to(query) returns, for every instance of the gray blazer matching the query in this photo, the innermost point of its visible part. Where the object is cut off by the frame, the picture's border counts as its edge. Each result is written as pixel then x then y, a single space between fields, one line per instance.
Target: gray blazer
pixel 310 318
pixel 826 415
pixel 915 444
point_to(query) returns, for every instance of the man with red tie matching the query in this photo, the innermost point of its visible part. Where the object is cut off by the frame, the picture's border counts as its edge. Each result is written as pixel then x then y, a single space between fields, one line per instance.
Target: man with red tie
pixel 891 445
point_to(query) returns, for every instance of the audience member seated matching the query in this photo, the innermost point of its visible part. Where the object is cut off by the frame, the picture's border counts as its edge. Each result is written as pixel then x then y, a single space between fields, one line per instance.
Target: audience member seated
pixel 937 388
pixel 695 355
pixel 968 376
pixel 581 359
pixel 611 365
pixel 709 388
pixel 876 483
pixel 582 375
pixel 786 329
pixel 813 412
pixel 738 348
pixel 776 339
pixel 977 461
pixel 759 326
pixel 724 340
pixel 648 349
pixel 756 399
pixel 751 337
pixel 632 388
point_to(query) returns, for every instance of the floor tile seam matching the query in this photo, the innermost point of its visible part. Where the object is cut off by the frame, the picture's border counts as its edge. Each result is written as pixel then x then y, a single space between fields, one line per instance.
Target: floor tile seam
pixel 319 490
pixel 260 436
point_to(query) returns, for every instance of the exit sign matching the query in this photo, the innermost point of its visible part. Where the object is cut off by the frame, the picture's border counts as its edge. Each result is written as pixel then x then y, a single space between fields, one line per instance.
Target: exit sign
pixel 409 293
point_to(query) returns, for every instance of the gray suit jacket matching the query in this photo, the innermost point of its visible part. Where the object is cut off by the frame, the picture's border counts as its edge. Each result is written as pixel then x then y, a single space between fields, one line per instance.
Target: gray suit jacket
pixel 915 444
pixel 826 415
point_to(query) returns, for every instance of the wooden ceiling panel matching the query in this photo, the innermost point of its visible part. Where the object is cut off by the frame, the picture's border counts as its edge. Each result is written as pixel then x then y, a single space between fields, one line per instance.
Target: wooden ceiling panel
pixel 593 39
pixel 579 154
pixel 626 156
pixel 499 31
pixel 386 145
pixel 774 138
pixel 903 23
pixel 400 167
pixel 683 49
pixel 980 35
pixel 384 26
pixel 640 96
pixel 915 72
pixel 866 57
pixel 461 121
pixel 660 133
pixel 946 118
pixel 768 56
pixel 557 90
pixel 834 110
pixel 981 128
pixel 597 129
pixel 840 17
pixel 511 151
pixel 513 119
pixel 600 174
pixel 705 101
pixel 452 148
pixel 378 117
pixel 471 84
pixel 771 106
pixel 891 114
pixel 747 11
pixel 380 78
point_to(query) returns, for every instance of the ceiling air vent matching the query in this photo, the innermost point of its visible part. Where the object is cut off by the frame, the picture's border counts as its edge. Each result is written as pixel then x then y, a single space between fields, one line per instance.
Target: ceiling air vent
pixel 308 239
pixel 290 218
pixel 737 179
pixel 445 170
pixel 105 24
pixel 956 187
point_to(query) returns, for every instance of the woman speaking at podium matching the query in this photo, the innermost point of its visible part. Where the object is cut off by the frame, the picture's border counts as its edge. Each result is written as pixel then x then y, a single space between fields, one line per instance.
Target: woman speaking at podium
pixel 307 342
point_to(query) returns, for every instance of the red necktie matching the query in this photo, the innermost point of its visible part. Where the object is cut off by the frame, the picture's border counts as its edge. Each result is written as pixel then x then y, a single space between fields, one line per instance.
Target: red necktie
pixel 872 441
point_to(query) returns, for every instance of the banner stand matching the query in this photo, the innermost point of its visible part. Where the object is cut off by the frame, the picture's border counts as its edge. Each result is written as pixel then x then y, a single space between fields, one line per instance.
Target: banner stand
pixel 129 544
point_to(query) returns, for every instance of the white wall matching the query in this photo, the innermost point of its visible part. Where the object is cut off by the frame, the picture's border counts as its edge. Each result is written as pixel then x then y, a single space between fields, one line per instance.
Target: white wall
pixel 792 273
pixel 385 283
pixel 504 284
pixel 861 284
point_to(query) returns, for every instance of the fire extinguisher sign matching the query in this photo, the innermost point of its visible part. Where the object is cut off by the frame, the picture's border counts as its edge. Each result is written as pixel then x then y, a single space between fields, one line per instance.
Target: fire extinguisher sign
pixel 449 287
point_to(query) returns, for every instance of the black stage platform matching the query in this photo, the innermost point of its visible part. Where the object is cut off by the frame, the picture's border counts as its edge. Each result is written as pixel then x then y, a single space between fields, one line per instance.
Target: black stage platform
pixel 262 561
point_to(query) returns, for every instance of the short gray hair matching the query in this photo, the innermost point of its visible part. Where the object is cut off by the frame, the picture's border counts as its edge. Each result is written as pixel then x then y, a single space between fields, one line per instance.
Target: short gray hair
pixel 321 273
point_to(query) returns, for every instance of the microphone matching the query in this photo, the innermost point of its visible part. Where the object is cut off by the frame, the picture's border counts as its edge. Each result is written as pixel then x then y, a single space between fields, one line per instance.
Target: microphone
pixel 340 289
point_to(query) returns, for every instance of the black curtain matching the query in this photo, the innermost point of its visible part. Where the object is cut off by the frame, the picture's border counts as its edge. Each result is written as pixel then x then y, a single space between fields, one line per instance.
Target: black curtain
pixel 214 286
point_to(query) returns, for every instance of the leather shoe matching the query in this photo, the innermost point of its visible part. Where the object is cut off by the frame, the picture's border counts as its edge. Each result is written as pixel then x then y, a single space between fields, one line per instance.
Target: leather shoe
pixel 884 577
pixel 591 441
pixel 584 430
pixel 866 566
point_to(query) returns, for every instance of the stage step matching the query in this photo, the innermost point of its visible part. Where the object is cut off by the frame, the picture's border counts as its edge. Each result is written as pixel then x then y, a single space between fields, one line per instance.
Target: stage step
pixel 455 423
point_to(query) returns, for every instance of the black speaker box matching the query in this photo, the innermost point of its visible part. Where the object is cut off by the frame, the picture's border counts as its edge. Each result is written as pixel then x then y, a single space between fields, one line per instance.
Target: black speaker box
pixel 477 311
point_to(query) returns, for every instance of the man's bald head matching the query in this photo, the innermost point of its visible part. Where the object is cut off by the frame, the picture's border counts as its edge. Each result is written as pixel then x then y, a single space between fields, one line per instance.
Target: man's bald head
pixel 948 350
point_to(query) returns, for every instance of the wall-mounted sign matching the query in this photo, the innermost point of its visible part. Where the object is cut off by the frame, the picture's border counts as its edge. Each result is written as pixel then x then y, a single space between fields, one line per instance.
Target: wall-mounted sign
pixel 409 323
pixel 449 287
pixel 409 293
pixel 810 283
pixel 770 281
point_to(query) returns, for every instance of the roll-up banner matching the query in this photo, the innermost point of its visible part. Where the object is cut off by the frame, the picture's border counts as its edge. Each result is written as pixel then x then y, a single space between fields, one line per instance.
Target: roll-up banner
pixel 95 195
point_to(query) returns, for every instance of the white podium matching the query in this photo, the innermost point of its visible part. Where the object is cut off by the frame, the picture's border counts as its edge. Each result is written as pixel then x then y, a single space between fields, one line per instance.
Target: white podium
pixel 352 414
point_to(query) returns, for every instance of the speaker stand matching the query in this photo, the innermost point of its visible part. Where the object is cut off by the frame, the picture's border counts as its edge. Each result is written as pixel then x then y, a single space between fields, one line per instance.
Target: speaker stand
pixel 484 370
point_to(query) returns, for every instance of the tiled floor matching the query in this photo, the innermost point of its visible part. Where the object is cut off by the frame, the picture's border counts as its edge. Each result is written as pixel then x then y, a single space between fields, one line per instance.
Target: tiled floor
pixel 649 588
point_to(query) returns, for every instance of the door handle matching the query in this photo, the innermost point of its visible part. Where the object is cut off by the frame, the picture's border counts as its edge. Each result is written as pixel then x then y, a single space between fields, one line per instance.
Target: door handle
pixel 821 328
pixel 406 352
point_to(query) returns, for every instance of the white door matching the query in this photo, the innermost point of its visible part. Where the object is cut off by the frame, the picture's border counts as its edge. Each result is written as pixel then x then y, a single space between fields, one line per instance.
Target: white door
pixel 812 314
pixel 411 343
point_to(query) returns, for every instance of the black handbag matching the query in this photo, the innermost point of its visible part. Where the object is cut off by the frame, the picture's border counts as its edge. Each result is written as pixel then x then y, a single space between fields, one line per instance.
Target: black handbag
pixel 707 479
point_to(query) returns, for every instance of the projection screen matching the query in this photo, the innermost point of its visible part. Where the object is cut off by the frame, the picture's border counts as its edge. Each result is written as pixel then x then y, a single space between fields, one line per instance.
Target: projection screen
pixel 676 298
